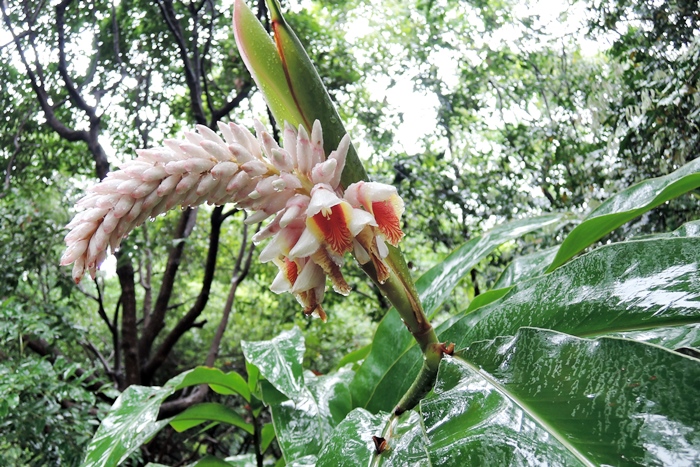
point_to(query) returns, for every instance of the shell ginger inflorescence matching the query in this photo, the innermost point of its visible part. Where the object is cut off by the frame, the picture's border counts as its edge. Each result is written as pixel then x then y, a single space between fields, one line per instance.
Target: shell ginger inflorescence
pixel 315 221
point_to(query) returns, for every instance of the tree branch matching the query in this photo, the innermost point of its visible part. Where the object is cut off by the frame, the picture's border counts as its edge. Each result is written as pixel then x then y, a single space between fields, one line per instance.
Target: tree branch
pixel 75 96
pixel 101 309
pixel 156 320
pixel 218 114
pixel 191 70
pixel 13 156
pixel 51 120
pixel 239 273
pixel 186 322
pixel 145 279
pixel 175 406
pixel 130 343
pixel 105 364
pixel 116 340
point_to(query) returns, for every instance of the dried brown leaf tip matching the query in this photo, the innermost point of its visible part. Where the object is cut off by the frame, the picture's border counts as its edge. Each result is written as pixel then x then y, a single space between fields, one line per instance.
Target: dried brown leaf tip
pixel 447 349
pixel 380 444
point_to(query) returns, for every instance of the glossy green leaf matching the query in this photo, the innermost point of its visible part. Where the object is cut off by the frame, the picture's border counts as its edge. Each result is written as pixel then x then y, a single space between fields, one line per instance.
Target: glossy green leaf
pixel 242 460
pixel 671 337
pixel 619 287
pixel 487 297
pixel 625 206
pixel 253 379
pixel 394 359
pixel 211 461
pixel 306 461
pixel 354 356
pixel 526 267
pixel 133 419
pixel 218 381
pixel 315 403
pixel 131 422
pixel 437 284
pixel 544 397
pixel 279 361
pixel 302 425
pixel 407 441
pixel 206 412
pixel 351 443
pixel 267 435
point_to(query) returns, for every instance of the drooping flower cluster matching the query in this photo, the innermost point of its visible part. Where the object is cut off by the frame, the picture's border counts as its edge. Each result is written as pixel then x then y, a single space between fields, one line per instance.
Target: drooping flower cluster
pixel 315 222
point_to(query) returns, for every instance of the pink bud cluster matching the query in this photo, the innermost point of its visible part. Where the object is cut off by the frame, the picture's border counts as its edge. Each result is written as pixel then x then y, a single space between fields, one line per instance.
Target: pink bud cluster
pixel 315 222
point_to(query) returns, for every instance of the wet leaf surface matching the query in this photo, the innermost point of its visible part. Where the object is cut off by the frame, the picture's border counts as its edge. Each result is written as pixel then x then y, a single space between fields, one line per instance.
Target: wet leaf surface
pixel 208 411
pixel 625 206
pixel 133 418
pixel 131 422
pixel 548 398
pixel 315 403
pixel 394 360
pixel 617 288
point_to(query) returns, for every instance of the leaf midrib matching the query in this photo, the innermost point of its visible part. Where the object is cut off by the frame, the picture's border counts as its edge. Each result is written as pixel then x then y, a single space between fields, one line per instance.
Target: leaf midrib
pixel 528 410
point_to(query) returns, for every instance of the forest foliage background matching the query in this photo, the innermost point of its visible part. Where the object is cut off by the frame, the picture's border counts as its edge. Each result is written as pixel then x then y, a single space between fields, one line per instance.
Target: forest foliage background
pixel 529 119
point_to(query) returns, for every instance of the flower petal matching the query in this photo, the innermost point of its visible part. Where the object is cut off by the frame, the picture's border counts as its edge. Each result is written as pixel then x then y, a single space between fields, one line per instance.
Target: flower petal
pixel 307 245
pixel 331 226
pixel 310 277
pixel 388 216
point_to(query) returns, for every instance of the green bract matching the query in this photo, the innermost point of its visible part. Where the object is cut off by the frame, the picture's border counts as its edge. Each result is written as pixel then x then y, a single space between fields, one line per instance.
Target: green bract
pixel 289 81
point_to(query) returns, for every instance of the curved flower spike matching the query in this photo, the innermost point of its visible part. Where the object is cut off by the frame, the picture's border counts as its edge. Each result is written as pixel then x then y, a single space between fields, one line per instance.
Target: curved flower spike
pixel 313 227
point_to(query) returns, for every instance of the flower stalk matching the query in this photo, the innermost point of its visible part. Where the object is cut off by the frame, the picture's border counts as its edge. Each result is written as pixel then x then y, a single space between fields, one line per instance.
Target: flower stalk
pixel 305 96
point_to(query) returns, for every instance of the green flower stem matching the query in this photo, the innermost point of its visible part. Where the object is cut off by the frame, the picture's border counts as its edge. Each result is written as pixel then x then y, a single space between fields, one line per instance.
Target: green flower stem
pixel 424 381
pixel 402 293
pixel 295 93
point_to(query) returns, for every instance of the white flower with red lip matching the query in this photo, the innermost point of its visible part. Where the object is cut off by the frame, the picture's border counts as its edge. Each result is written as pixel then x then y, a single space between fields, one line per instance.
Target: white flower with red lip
pixel 383 202
pixel 314 222
pixel 331 225
pixel 303 278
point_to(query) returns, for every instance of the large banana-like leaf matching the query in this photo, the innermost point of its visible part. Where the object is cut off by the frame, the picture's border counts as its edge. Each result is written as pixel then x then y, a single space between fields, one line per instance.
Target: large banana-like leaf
pixel 545 398
pixel 540 398
pixel 671 337
pixel 315 405
pixel 526 267
pixel 617 288
pixel 394 360
pixel 625 206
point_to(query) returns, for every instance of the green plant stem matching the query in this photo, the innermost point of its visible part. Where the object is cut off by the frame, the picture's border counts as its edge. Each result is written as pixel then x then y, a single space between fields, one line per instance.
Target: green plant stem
pixel 402 293
pixel 424 381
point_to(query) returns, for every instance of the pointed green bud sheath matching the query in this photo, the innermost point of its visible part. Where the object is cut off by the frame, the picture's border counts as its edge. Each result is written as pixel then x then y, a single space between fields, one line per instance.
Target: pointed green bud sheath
pixel 313 101
pixel 295 93
pixel 260 56
pixel 289 81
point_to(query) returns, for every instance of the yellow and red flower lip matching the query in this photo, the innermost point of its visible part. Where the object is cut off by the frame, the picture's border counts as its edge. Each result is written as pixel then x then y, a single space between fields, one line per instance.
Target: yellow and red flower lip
pixel 330 221
pixel 383 202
